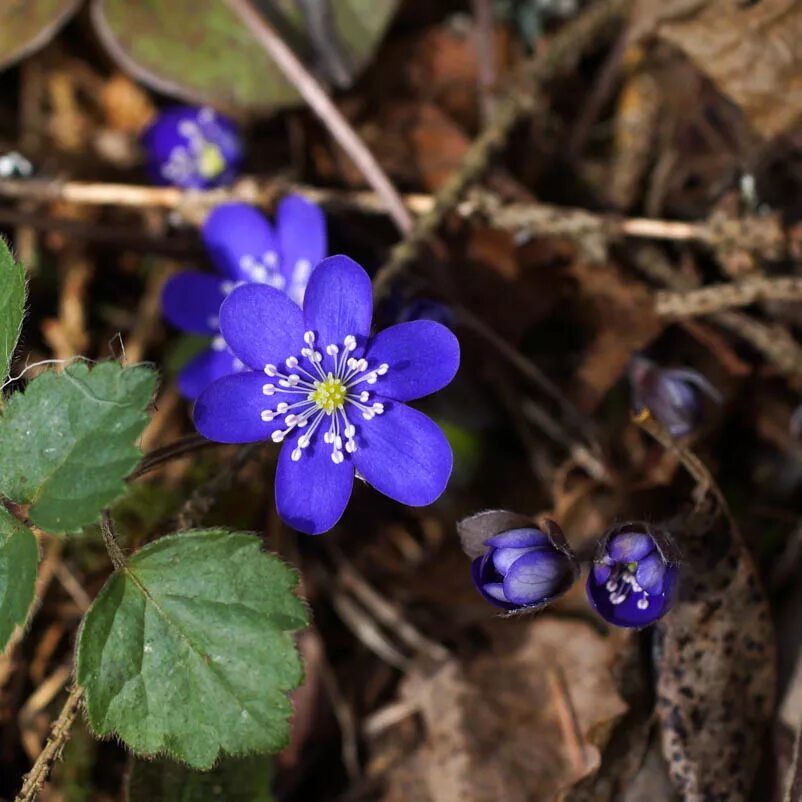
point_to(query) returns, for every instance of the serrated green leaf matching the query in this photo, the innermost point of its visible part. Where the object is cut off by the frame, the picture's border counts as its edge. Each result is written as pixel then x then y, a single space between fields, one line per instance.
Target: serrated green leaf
pixel 244 779
pixel 203 53
pixel 69 440
pixel 19 559
pixel 187 650
pixel 27 25
pixel 12 306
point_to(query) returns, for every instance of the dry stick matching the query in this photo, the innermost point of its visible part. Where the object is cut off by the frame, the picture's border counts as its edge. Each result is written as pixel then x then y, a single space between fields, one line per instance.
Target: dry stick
pixel 773 341
pixel 260 191
pixel 561 53
pixel 716 297
pixel 314 94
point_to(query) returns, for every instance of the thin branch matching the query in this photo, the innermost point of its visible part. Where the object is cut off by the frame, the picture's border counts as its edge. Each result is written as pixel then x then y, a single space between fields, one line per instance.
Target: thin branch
pixel 559 56
pixel 321 104
pixel 59 735
pixel 714 298
pixel 188 444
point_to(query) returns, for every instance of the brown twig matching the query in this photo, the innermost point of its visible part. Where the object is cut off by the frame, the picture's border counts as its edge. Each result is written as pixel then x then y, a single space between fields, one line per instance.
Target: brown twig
pixel 59 735
pixel 714 298
pixel 562 52
pixel 321 104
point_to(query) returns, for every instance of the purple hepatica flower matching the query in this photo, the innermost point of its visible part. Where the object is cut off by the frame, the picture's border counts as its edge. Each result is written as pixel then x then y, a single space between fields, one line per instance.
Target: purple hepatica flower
pixel 193 147
pixel 245 249
pixel 319 384
pixel 634 576
pixel 672 395
pixel 520 567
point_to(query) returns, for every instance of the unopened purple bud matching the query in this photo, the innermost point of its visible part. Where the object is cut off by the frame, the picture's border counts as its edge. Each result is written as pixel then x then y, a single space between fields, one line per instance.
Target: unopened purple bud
pixel 193 147
pixel 519 567
pixel 634 575
pixel 672 395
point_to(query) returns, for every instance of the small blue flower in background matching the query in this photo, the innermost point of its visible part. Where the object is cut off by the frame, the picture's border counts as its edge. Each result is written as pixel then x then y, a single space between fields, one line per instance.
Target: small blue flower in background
pixel 332 394
pixel 634 577
pixel 672 395
pixel 244 248
pixel 516 565
pixel 193 147
pixel 427 309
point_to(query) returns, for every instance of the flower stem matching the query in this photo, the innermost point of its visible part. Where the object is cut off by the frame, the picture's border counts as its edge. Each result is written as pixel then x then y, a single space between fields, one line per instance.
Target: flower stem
pixel 60 733
pixel 110 541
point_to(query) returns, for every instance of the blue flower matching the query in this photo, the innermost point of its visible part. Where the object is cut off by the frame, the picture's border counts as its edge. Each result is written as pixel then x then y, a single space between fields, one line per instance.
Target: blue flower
pixel 518 567
pixel 192 147
pixel 672 395
pixel 244 247
pixel 332 394
pixel 634 576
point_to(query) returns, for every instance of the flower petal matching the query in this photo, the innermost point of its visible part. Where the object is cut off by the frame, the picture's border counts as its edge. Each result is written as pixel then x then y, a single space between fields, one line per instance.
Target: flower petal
pixel 242 244
pixel 338 302
pixel 312 493
pixel 504 558
pixel 261 325
pixel 485 576
pixel 519 538
pixel 230 409
pixel 536 576
pixel 630 546
pixel 207 367
pixel 403 454
pixel 651 572
pixel 423 357
pixel 191 301
pixel 301 228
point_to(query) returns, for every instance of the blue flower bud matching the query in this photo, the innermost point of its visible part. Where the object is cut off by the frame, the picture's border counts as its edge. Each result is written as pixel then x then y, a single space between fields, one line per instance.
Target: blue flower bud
pixel 193 147
pixel 633 578
pixel 517 566
pixel 672 395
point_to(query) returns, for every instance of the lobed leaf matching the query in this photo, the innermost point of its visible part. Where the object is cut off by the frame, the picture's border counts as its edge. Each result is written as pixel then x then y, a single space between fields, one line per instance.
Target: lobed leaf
pixel 206 55
pixel 19 559
pixel 28 25
pixel 68 441
pixel 187 650
pixel 12 307
pixel 244 779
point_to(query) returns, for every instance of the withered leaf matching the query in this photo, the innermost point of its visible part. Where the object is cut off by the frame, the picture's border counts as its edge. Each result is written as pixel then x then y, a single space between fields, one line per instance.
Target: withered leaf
pixel 716 668
pixel 751 51
pixel 521 722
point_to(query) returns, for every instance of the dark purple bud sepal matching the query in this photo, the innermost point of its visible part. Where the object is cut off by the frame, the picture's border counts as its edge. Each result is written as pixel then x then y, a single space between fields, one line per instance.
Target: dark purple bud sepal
pixel 634 575
pixel 672 395
pixel 517 565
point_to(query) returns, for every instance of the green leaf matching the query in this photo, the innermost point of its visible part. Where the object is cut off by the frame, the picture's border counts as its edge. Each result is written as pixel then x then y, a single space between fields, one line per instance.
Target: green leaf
pixel 244 779
pixel 12 306
pixel 28 25
pixel 19 559
pixel 203 53
pixel 69 440
pixel 187 650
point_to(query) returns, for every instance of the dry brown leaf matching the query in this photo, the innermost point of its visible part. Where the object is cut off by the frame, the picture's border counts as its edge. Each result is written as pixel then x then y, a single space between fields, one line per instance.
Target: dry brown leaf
pixel 626 323
pixel 527 737
pixel 751 51
pixel 716 676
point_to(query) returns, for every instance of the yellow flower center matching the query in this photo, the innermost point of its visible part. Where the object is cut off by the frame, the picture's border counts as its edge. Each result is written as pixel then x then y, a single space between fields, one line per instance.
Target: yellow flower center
pixel 211 162
pixel 329 394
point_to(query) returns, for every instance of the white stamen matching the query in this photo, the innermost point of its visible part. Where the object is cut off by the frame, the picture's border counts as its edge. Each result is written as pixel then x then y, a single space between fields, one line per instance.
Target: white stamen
pixel 271 370
pixel 269 389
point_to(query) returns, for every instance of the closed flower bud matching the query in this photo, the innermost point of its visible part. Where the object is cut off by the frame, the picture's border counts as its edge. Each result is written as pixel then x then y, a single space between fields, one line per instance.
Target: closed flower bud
pixel 672 395
pixel 633 578
pixel 517 566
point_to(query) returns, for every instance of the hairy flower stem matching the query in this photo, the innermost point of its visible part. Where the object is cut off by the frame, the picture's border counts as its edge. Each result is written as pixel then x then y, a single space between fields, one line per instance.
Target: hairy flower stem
pixel 59 735
pixel 110 541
